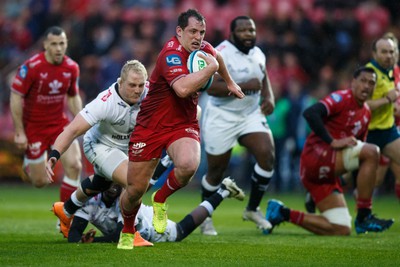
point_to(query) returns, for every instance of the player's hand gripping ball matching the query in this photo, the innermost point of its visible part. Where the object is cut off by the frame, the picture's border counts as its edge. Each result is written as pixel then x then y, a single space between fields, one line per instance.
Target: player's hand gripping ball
pixel 196 63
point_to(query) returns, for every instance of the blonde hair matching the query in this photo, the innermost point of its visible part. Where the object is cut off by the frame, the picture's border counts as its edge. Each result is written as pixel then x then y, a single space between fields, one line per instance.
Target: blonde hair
pixel 134 65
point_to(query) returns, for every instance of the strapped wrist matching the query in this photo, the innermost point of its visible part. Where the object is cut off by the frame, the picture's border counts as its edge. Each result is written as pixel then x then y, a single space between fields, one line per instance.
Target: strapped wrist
pixel 54 154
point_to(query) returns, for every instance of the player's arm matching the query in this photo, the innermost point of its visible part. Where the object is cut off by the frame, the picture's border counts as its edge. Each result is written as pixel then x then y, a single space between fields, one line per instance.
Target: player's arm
pixel 74 104
pixel 267 96
pixel 76 128
pixel 112 237
pixel 230 83
pixel 16 106
pixel 78 225
pixel 387 99
pixel 314 116
pixel 189 84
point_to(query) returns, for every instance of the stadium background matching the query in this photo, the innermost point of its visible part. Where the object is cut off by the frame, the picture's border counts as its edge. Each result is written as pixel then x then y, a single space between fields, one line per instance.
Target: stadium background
pixel 312 48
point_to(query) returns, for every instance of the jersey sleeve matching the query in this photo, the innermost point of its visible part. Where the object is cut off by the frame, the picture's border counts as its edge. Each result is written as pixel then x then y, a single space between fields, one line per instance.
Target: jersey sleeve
pixel 23 80
pixel 74 88
pixel 97 109
pixel 173 66
pixel 333 103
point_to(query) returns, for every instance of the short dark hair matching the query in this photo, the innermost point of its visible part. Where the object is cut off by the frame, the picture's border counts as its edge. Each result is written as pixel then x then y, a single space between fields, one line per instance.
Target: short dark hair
pixel 233 22
pixel 362 69
pixel 183 19
pixel 54 30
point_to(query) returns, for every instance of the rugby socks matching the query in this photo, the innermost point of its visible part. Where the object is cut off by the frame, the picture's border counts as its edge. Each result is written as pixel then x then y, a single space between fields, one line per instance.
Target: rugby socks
pixel 259 184
pixel 169 187
pixel 72 205
pixel 129 219
pixel 364 207
pixel 68 186
pixel 207 190
pixel 293 216
pixel 188 224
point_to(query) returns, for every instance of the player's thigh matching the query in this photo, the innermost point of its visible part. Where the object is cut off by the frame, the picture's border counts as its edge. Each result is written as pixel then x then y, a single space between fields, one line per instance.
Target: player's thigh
pixel 120 173
pixel 105 159
pixel 333 200
pixel 138 177
pixel 392 150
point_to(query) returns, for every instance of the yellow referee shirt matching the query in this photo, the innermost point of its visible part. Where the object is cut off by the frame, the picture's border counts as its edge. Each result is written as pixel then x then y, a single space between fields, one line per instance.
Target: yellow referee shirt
pixel 382 117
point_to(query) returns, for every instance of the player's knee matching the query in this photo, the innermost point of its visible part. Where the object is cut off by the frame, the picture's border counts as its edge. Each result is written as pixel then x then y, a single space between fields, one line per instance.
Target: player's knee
pixel 39 182
pixel 97 184
pixel 340 219
pixel 371 152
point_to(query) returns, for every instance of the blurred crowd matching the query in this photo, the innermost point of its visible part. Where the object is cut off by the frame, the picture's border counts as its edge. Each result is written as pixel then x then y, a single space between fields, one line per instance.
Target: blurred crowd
pixel 312 48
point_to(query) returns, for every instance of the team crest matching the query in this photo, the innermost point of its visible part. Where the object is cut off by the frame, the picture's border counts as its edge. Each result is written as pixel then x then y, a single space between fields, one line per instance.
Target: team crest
pixel 336 97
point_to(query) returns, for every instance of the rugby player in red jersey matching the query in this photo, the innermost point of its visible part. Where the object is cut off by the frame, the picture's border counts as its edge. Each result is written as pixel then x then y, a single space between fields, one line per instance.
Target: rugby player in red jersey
pixel 167 120
pixel 336 146
pixel 37 100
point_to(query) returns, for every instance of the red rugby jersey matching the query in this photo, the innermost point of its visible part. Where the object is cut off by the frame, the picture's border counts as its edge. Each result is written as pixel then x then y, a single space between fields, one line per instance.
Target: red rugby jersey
pixel 162 108
pixel 345 117
pixel 44 87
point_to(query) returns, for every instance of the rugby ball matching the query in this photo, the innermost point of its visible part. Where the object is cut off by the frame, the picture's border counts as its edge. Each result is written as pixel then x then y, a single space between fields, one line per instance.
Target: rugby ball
pixel 196 63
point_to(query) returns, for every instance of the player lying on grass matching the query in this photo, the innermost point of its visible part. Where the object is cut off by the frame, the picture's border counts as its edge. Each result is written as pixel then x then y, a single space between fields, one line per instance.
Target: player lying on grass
pixel 103 212
pixel 336 146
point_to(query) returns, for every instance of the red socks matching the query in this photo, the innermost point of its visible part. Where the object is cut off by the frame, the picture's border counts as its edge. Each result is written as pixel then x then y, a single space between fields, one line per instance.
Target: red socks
pixel 129 219
pixel 364 203
pixel 169 187
pixel 66 191
pixel 296 217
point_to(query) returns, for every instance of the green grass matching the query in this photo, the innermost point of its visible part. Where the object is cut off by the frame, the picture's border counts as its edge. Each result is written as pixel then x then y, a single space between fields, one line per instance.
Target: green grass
pixel 28 238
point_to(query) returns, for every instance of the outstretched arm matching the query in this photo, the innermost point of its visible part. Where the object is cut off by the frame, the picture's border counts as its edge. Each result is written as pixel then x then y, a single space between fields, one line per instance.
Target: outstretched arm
pixel 76 128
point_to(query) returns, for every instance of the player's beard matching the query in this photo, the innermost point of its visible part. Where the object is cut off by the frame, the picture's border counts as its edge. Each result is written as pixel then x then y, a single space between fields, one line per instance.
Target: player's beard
pixel 240 46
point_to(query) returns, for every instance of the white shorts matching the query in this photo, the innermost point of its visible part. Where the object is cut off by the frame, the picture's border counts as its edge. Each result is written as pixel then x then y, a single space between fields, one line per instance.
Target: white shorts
pixel 104 159
pixel 221 129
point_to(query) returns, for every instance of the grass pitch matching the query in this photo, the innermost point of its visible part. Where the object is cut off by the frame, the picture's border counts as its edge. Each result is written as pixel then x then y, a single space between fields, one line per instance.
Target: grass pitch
pixel 28 237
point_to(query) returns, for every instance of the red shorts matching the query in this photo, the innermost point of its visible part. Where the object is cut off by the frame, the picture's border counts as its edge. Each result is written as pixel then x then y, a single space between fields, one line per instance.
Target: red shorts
pixel 317 172
pixel 41 138
pixel 146 144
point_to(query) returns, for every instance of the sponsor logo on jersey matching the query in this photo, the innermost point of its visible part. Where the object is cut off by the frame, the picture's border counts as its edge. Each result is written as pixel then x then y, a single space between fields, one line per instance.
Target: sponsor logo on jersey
pixel 122 104
pixel 139 145
pixel 43 75
pixel 170 44
pixel 23 71
pixel 55 86
pixel 67 75
pixel 120 137
pixel 106 96
pixel 34 148
pixel 336 97
pixel 173 60
pixel 192 131
pixel 120 122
